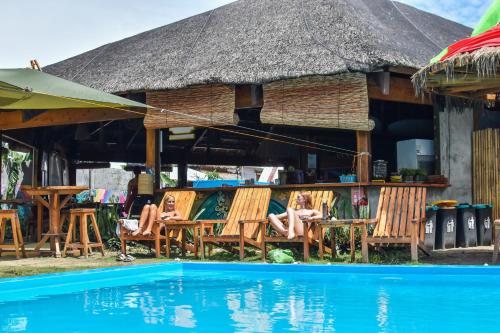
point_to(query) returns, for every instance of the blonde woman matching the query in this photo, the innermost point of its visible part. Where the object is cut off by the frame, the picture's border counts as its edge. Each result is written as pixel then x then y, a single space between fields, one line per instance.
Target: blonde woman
pixel 150 214
pixel 295 217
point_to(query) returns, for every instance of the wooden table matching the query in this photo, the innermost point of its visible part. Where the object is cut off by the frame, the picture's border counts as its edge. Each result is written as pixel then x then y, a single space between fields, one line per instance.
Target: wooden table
pixel 335 224
pixel 57 198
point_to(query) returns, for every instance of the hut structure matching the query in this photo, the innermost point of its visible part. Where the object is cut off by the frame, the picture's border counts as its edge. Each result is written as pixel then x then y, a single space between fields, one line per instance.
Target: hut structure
pixel 313 84
pixel 466 72
pixel 330 72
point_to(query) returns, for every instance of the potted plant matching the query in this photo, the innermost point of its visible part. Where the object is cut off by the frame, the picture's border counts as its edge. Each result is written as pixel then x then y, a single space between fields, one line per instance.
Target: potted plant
pixel 408 175
pixel 420 175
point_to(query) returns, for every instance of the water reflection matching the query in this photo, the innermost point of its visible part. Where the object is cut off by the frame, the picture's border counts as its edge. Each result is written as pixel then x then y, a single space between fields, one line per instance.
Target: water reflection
pixel 14 324
pixel 236 304
pixel 383 303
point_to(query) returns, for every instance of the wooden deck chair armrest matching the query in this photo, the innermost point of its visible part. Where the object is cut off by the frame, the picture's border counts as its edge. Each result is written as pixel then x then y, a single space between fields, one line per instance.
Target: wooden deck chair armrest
pixel 357 222
pixel 177 222
pixel 208 222
pixel 420 220
pixel 170 221
pixel 253 221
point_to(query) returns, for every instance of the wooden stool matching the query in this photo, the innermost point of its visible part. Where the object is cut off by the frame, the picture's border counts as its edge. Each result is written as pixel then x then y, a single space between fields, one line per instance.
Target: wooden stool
pixel 11 215
pixel 84 243
pixel 496 231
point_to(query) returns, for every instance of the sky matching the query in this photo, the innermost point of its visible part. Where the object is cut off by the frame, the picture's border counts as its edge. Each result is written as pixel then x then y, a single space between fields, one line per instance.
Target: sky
pixel 54 30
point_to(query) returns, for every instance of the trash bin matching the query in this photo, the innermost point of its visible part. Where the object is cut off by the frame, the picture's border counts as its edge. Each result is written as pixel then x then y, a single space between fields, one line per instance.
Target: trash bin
pixel 466 226
pixel 484 224
pixel 446 227
pixel 430 227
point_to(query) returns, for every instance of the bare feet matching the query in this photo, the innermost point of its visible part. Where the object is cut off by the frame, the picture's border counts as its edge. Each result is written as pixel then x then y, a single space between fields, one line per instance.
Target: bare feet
pixel 146 233
pixel 137 232
pixel 291 234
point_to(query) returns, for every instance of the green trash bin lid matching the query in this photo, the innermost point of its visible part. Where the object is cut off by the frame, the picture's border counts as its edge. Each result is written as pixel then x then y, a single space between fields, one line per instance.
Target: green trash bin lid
pixel 463 206
pixel 433 208
pixel 482 206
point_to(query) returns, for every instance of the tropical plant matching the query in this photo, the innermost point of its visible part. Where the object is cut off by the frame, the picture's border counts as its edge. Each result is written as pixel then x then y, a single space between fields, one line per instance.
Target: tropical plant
pixel 165 179
pixel 213 175
pixel 12 163
pixel 420 172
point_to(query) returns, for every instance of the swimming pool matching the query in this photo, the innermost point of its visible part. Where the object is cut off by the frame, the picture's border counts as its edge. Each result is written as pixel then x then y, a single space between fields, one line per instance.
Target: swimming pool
pixel 201 297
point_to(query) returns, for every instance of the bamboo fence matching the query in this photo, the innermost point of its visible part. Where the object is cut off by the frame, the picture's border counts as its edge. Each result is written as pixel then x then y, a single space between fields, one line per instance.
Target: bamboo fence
pixel 486 168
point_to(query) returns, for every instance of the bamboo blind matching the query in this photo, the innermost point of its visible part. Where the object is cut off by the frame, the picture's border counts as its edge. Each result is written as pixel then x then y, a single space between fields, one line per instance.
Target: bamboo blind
pixel 202 105
pixel 335 101
pixel 486 168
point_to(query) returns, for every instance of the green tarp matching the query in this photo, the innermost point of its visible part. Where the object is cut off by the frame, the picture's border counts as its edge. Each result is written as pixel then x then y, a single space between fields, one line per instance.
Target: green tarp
pixel 26 88
pixel 489 19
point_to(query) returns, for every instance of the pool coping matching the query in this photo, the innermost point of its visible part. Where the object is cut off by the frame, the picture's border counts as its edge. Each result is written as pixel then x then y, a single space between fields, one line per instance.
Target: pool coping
pixel 267 267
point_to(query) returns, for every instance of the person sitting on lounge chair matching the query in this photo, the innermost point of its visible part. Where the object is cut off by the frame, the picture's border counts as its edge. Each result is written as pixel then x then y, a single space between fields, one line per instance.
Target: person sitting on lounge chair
pixel 150 214
pixel 295 217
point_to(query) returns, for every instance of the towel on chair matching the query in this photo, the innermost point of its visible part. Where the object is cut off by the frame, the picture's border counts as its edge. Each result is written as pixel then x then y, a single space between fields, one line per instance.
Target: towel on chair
pixel 129 224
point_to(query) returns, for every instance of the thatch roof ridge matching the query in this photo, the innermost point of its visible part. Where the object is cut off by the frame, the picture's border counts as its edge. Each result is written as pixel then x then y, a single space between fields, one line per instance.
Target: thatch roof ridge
pixel 256 41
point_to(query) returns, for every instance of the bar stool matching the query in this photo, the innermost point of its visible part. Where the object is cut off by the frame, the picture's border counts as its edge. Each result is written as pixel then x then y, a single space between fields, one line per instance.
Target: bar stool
pixel 496 231
pixel 81 215
pixel 11 215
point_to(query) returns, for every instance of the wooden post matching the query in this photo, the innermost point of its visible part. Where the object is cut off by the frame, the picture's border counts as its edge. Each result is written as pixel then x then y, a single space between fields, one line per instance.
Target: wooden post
pixel 364 147
pixel 364 243
pixel 1 151
pixel 182 174
pixel 151 142
pixel 157 166
pixel 150 148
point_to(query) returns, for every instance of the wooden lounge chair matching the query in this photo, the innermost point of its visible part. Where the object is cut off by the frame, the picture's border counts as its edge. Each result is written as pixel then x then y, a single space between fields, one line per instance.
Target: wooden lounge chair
pixel 318 197
pixel 183 203
pixel 249 207
pixel 399 215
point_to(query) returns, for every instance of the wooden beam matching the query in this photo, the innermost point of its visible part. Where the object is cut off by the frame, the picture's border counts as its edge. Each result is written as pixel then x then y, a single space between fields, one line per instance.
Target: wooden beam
pixel 401 90
pixel 14 119
pixel 364 147
pixel 402 70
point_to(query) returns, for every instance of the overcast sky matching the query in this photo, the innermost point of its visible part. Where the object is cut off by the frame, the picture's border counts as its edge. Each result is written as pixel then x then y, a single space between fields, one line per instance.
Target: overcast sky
pixel 53 30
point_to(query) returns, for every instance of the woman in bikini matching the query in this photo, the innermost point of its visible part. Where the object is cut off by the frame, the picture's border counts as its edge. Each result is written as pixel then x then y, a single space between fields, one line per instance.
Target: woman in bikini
pixel 295 217
pixel 150 214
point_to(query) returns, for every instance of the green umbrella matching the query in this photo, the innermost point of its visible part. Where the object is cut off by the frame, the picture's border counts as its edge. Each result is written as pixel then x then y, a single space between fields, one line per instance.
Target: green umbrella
pixel 24 88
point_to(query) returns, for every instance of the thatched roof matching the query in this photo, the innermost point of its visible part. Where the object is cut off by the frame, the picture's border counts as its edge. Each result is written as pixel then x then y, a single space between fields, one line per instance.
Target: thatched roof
pixel 468 75
pixel 256 41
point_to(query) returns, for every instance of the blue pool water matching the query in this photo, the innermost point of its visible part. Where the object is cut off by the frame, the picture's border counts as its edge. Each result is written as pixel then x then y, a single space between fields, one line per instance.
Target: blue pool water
pixel 196 297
